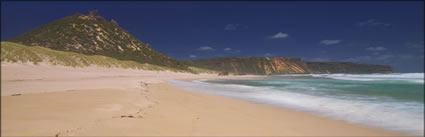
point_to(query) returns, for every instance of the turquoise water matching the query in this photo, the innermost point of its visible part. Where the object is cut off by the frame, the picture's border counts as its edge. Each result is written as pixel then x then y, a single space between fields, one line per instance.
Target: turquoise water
pixel 389 90
pixel 391 101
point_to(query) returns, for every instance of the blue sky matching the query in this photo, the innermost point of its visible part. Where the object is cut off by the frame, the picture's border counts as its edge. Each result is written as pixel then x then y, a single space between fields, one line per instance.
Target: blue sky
pixel 390 33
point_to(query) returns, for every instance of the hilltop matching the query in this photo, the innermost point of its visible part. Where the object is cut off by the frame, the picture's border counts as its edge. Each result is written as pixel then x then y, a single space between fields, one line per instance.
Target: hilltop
pixel 92 34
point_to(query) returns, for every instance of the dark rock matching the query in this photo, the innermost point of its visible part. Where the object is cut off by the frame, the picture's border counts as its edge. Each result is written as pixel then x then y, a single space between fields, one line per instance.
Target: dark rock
pixel 115 22
pixel 143 84
pixel 16 94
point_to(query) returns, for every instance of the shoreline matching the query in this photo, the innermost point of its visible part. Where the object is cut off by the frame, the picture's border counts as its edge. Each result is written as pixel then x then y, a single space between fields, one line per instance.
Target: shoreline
pixel 143 103
pixel 291 119
pixel 374 113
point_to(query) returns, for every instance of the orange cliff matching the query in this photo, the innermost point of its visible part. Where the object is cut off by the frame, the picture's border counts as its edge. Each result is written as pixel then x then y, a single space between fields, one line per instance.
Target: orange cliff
pixel 283 65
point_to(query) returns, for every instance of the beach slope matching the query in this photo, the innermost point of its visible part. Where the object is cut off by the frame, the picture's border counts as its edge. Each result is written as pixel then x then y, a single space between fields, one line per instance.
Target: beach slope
pixel 46 100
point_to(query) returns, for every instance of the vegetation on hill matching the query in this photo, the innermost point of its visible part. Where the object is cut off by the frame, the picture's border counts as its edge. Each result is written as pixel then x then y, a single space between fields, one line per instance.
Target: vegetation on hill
pixel 283 65
pixel 93 35
pixel 14 52
pixel 252 65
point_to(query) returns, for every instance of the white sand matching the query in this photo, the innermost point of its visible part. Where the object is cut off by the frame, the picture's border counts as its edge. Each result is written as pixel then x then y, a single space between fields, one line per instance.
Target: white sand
pixel 94 101
pixel 29 78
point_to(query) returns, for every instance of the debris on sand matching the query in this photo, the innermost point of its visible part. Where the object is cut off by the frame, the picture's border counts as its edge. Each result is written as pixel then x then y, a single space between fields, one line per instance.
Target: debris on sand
pixel 16 94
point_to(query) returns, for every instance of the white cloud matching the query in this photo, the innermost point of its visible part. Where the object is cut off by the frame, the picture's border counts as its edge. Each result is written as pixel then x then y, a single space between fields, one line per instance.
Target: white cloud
pixel 231 27
pixel 205 48
pixel 379 48
pixel 330 42
pixel 280 35
pixel 268 55
pixel 193 56
pixel 373 22
pixel 227 49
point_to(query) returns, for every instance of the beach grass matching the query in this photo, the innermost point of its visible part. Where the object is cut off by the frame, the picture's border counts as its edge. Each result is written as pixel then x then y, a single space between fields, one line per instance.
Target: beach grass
pixel 15 52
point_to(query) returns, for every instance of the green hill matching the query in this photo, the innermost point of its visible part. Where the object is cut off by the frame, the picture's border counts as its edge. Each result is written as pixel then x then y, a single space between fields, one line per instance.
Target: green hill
pixel 14 52
pixel 93 35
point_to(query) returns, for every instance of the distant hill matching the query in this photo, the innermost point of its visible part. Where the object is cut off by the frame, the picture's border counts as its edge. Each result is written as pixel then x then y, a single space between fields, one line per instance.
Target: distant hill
pixel 347 67
pixel 284 65
pixel 94 35
pixel 253 65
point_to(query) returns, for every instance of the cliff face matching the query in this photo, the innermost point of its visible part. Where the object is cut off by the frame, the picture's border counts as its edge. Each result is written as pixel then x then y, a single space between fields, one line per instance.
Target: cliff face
pixel 91 34
pixel 347 67
pixel 253 65
pixel 284 65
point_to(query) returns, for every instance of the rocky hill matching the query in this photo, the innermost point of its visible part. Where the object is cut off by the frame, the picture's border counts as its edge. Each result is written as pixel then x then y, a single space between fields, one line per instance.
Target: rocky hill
pixel 254 65
pixel 92 34
pixel 284 65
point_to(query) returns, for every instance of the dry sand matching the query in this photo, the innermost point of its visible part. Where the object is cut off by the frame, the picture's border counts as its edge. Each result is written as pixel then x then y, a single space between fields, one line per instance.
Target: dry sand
pixel 93 101
pixel 29 78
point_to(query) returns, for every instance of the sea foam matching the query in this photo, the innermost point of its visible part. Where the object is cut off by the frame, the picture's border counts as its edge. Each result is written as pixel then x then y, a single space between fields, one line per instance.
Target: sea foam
pixel 399 116
pixel 410 77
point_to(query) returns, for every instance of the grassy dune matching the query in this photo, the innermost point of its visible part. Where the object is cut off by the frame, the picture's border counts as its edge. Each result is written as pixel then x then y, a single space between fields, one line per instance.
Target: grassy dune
pixel 14 52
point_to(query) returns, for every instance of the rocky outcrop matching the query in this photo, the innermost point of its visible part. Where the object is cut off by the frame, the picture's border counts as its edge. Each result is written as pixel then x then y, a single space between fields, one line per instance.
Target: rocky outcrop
pixel 253 65
pixel 284 65
pixel 94 35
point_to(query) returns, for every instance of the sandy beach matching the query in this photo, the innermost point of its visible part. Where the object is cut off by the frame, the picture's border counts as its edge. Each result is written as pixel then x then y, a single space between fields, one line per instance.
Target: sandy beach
pixel 47 100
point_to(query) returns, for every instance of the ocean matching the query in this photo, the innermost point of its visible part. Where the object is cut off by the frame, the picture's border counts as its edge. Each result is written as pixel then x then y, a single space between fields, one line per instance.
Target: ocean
pixel 391 101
